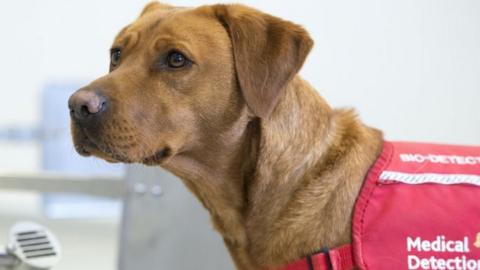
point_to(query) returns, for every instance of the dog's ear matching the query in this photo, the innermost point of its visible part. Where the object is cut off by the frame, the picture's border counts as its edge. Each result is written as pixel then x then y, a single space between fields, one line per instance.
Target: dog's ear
pixel 268 52
pixel 154 6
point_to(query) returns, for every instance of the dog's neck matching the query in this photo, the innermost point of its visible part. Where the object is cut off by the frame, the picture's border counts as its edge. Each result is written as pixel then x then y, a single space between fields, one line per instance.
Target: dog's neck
pixel 289 180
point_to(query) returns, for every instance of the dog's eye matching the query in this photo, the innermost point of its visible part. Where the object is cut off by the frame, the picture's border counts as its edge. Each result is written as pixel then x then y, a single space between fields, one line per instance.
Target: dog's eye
pixel 176 60
pixel 115 57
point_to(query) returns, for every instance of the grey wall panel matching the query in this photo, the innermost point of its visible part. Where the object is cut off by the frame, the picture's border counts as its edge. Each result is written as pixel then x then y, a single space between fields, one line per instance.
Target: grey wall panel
pixel 167 231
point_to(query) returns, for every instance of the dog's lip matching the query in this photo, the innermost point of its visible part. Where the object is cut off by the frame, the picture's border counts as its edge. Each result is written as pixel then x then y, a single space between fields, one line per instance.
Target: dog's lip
pixel 159 157
pixel 108 154
pixel 87 147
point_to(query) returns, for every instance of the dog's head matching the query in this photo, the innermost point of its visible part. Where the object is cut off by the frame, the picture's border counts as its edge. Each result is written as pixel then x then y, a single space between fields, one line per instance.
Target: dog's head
pixel 179 76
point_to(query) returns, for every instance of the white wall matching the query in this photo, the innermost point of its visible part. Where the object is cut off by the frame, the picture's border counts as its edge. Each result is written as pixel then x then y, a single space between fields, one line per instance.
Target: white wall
pixel 410 67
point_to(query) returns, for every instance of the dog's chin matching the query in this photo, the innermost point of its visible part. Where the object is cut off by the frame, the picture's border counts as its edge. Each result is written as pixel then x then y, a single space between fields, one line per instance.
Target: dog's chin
pixel 82 150
pixel 90 149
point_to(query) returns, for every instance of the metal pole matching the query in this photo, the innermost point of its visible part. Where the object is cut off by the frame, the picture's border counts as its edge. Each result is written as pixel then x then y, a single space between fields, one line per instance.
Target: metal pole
pixel 109 187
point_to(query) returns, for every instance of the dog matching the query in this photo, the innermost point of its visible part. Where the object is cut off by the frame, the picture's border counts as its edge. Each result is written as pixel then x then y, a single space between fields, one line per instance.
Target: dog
pixel 212 94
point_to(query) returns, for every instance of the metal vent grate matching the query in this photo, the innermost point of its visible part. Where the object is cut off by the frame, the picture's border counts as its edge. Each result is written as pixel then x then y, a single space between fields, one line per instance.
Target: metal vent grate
pixel 35 244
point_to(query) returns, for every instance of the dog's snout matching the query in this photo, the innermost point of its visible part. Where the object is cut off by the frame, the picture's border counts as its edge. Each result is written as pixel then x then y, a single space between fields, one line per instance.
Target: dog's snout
pixel 85 104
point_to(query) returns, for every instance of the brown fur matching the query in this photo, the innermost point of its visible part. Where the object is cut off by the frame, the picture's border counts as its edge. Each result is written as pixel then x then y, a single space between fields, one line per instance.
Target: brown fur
pixel 277 168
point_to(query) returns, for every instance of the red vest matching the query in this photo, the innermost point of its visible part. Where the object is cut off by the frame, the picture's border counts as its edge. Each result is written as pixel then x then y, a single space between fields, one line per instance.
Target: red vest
pixel 419 208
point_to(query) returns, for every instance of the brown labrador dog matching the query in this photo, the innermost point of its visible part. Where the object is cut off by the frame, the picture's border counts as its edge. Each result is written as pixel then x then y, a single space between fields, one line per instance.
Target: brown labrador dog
pixel 212 95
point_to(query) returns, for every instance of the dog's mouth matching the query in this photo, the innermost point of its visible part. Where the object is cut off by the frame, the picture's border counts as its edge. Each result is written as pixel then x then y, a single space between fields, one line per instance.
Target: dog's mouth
pixel 87 146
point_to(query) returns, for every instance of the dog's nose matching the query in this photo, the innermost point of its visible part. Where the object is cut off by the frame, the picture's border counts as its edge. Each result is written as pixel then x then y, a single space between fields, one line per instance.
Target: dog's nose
pixel 85 104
